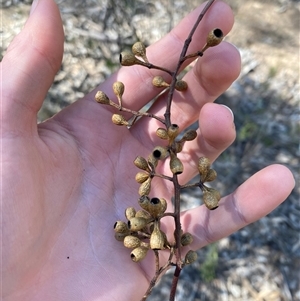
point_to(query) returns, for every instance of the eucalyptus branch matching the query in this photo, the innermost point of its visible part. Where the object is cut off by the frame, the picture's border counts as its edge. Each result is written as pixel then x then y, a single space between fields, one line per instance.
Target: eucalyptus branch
pixel 142 231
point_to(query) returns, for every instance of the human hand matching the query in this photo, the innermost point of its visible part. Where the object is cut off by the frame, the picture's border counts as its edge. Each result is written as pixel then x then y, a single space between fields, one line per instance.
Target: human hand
pixel 66 181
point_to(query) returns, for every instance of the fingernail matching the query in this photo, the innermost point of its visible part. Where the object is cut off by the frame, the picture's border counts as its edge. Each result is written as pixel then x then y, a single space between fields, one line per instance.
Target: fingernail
pixel 33 6
pixel 229 111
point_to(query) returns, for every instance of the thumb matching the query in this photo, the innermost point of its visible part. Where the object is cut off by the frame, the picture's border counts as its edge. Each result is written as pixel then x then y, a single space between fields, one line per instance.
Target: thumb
pixel 29 66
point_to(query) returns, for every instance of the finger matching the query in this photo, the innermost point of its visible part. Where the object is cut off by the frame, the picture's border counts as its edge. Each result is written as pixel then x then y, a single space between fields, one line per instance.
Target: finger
pixel 137 79
pixel 30 64
pixel 216 133
pixel 255 198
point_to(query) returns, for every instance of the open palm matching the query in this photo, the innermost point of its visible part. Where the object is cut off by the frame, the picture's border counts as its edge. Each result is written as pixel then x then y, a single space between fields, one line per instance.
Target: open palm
pixel 66 181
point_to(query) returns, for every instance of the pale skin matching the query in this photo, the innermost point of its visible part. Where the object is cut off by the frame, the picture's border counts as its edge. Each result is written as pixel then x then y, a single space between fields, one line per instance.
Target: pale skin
pixel 67 180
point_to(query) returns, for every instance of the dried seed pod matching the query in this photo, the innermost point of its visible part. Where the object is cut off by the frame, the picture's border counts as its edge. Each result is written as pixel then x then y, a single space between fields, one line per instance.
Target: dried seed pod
pixel 141 163
pixel 139 49
pixel 137 223
pixel 157 239
pixel 189 135
pixel 119 119
pixel 181 85
pixel 160 153
pixel 179 146
pixel 145 187
pixel 129 59
pixel 190 257
pixel 211 175
pixel 118 88
pixel 186 239
pixel 138 254
pixel 162 133
pixel 143 214
pixel 211 198
pixel 102 98
pixel 173 131
pixel 120 236
pixel 141 177
pixel 131 242
pixel 130 213
pixel 121 227
pixel 214 38
pixel 176 165
pixel 159 82
pixel 157 207
pixel 144 202
pixel 203 167
pixel 152 161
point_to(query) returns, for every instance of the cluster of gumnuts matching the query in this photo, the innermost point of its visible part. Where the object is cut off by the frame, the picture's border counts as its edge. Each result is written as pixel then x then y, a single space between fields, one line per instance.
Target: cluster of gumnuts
pixel 142 231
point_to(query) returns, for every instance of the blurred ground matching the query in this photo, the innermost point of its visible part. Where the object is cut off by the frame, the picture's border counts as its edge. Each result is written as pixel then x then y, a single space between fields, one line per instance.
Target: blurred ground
pixel 262 261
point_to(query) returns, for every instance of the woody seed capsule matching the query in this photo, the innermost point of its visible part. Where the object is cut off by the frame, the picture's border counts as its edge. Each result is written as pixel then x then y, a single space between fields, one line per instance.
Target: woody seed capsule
pixel 211 175
pixel 190 257
pixel 173 131
pixel 186 239
pixel 203 167
pixel 102 98
pixel 121 227
pixel 118 119
pixel 157 207
pixel 176 165
pixel 141 163
pixel 157 239
pixel 137 223
pixel 130 213
pixel 139 49
pixel 145 187
pixel 131 242
pixel 138 254
pixel 118 88
pixel 162 133
pixel 141 177
pixel 181 85
pixel 159 82
pixel 211 198
pixel 160 153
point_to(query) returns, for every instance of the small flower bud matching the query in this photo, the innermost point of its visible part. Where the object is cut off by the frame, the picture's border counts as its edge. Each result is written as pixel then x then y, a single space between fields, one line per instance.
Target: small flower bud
pixel 131 242
pixel 160 153
pixel 119 119
pixel 139 49
pixel 211 198
pixel 186 239
pixel 181 85
pixel 173 132
pixel 102 98
pixel 141 177
pixel 190 257
pixel 157 239
pixel 145 187
pixel 137 223
pixel 159 82
pixel 157 207
pixel 162 133
pixel 130 213
pixel 121 227
pixel 118 88
pixel 176 165
pixel 138 254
